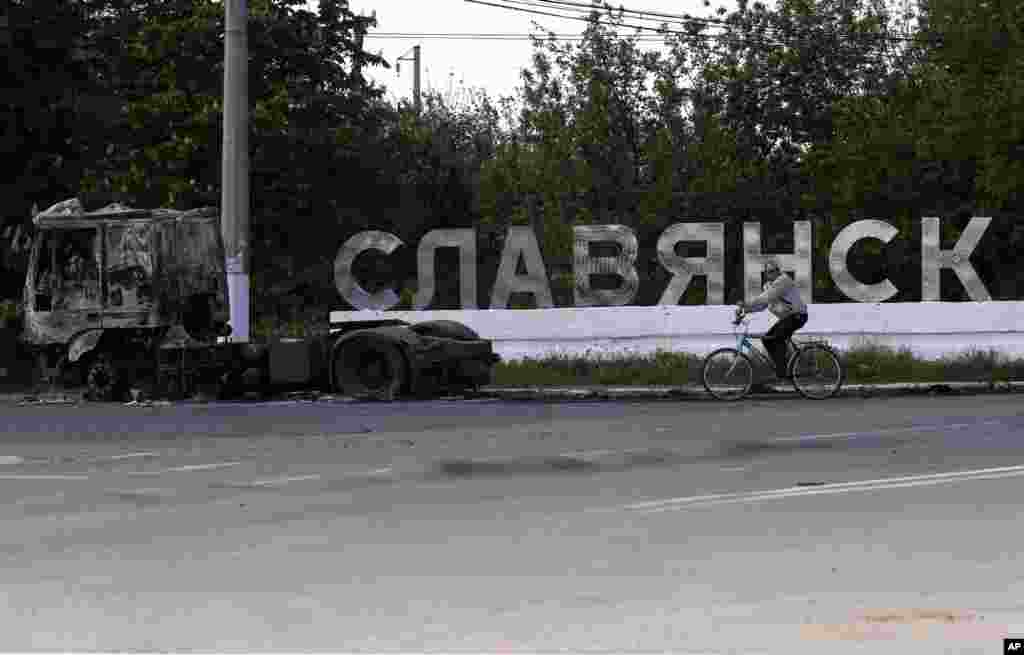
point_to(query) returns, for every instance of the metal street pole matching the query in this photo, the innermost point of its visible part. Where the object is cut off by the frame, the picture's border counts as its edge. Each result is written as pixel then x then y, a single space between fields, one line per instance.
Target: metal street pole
pixel 417 64
pixel 235 166
pixel 416 79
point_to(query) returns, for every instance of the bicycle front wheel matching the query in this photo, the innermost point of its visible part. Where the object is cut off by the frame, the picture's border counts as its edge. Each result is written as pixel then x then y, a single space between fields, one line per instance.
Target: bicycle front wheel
pixel 817 372
pixel 727 374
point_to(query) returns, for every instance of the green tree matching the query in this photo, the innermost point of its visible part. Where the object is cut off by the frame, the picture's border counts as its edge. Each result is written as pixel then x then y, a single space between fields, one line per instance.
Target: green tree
pixel 48 107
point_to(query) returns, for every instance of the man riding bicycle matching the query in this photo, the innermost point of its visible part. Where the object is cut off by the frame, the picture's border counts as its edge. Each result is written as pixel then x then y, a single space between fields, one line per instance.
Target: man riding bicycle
pixel 782 297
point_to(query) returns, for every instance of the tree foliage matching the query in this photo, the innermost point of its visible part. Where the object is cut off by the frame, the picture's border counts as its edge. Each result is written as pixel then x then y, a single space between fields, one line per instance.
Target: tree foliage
pixel 824 110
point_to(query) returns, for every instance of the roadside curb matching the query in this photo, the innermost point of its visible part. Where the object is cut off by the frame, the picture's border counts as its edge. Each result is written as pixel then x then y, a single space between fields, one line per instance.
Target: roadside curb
pixel 612 393
pixel 694 392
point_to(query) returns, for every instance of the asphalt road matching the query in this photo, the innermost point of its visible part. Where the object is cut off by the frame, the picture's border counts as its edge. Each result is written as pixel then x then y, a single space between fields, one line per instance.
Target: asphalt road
pixel 887 525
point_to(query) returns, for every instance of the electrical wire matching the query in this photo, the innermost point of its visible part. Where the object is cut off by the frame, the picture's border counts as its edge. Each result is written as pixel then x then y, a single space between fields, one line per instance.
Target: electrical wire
pixel 484 36
pixel 654 15
pixel 662 33
pixel 665 32
pixel 529 7
pixel 770 36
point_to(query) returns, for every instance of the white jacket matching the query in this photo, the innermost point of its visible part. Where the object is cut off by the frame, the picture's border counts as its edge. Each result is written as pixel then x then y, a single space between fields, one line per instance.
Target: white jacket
pixel 781 297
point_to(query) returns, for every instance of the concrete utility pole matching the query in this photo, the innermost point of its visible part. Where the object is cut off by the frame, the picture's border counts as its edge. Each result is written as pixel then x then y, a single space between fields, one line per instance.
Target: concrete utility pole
pixel 235 166
pixel 416 80
pixel 415 76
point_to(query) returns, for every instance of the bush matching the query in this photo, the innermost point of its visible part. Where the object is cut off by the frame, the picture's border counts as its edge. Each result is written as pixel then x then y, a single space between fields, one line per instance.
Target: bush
pixel 864 365
pixel 660 369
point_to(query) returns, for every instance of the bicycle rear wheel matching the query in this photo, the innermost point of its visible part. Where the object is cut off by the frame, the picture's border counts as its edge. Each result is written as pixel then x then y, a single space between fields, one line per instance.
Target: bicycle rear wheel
pixel 817 372
pixel 727 374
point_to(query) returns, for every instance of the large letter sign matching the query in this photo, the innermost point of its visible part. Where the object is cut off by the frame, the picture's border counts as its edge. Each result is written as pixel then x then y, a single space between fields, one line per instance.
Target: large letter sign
pixel 684 269
pixel 841 276
pixel 799 262
pixel 346 282
pixel 933 258
pixel 623 265
pixel 465 241
pixel 521 245
pixel 521 242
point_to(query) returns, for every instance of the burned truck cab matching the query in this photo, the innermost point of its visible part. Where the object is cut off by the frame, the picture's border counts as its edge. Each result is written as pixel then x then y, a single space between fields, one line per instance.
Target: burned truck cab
pixel 107 289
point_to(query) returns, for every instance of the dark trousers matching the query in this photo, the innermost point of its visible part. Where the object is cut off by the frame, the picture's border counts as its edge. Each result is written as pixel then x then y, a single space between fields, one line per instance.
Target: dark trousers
pixel 775 339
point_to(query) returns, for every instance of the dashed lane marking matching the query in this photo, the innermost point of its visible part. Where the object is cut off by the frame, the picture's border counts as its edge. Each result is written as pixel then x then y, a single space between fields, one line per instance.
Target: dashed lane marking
pixel 870 432
pixel 277 482
pixel 188 468
pixel 274 482
pixel 152 492
pixel 588 454
pixel 670 504
pixel 116 458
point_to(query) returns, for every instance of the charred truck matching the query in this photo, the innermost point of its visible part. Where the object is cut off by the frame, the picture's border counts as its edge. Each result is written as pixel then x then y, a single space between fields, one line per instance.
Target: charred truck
pixel 123 298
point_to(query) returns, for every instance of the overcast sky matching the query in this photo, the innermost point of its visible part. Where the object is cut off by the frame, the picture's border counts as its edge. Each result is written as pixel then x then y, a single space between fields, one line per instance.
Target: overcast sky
pixel 488 64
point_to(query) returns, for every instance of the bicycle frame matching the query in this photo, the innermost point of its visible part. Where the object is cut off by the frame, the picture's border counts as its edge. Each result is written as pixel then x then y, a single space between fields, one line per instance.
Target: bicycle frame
pixel 745 344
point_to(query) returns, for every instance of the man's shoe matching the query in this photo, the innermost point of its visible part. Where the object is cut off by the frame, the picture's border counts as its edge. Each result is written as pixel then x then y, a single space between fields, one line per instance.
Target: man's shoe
pixel 761 387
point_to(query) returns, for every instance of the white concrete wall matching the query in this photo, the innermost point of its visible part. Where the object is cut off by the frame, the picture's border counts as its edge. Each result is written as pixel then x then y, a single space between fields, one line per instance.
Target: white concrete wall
pixel 931 329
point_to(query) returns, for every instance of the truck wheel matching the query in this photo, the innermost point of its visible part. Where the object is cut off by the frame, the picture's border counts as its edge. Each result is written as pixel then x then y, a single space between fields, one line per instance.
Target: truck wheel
pixel 102 381
pixel 369 368
pixel 445 330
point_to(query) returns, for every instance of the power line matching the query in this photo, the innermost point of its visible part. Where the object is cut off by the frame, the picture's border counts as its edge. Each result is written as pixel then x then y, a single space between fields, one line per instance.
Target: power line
pixel 514 37
pixel 576 16
pixel 579 15
pixel 653 15
pixel 780 39
pixel 484 36
pixel 675 18
pixel 666 32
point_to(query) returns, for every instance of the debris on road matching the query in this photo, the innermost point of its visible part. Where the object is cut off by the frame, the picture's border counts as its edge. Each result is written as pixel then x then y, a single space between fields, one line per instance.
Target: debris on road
pixel 58 400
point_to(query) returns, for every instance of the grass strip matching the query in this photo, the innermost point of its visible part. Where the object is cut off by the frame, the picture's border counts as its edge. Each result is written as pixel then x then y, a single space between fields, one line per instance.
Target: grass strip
pixel 866 365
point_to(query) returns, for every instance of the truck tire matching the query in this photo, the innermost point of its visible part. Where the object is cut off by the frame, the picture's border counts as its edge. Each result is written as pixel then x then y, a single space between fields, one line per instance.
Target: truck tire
pixel 369 368
pixel 445 330
pixel 102 382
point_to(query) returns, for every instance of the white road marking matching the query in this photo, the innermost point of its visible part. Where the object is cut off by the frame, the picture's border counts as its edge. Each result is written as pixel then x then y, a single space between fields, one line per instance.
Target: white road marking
pixel 668 504
pixel 187 468
pixel 590 454
pixel 587 454
pixel 115 458
pixel 10 460
pixel 274 482
pixel 14 476
pixel 871 433
pixel 145 491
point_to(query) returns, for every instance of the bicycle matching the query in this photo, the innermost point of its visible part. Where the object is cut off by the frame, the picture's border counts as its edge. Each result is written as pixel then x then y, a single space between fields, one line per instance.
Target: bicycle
pixel 810 361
